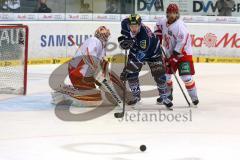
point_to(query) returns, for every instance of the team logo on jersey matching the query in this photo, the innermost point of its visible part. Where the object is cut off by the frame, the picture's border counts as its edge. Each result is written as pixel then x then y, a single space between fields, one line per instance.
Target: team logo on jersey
pixel 143 44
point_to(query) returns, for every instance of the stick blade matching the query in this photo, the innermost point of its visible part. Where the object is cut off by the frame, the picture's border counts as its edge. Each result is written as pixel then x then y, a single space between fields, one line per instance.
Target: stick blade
pixel 119 115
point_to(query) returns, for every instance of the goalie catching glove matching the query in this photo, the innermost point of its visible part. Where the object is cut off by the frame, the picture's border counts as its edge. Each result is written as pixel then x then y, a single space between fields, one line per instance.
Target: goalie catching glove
pixel 125 42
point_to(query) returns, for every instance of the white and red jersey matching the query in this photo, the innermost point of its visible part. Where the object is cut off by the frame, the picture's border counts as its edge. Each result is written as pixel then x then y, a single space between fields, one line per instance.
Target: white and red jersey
pixel 93 52
pixel 174 37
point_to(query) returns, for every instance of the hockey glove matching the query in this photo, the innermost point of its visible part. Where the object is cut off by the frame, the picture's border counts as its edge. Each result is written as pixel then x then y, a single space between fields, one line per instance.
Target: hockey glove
pixel 171 64
pixel 125 42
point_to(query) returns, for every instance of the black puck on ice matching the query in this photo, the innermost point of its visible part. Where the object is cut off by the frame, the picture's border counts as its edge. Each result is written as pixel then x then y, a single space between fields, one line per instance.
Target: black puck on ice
pixel 143 148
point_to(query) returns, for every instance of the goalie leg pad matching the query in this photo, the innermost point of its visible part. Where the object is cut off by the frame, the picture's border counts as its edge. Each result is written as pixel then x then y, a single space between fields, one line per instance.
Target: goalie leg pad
pixel 59 98
pixel 78 80
pixel 81 83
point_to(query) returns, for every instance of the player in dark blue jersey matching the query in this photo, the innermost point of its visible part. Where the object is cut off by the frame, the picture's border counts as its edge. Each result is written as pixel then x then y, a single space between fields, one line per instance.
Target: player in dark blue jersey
pixel 144 47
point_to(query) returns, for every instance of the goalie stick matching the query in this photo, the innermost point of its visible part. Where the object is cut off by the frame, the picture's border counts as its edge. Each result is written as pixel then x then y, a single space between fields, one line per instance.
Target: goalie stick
pixel 121 114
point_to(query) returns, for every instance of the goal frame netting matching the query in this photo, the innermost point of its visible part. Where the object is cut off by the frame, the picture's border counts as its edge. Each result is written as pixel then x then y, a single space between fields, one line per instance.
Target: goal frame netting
pixel 9 90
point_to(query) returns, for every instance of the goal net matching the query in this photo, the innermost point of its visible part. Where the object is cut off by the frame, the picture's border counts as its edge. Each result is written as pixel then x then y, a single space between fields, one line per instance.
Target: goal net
pixel 13 59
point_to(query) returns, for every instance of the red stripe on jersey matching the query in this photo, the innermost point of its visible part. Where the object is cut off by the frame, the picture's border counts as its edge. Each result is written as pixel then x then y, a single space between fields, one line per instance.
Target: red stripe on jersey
pixel 159 33
pixel 183 50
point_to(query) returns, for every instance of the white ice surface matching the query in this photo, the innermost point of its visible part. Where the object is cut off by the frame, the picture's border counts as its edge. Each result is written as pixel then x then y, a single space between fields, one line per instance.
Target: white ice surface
pixel 30 130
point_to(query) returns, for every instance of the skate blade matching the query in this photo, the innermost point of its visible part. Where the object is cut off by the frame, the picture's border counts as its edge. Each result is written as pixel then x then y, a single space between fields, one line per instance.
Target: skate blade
pixel 168 108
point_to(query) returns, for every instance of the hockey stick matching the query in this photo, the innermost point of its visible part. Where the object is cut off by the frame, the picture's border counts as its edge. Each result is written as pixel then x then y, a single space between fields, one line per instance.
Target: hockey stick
pixel 121 114
pixel 177 80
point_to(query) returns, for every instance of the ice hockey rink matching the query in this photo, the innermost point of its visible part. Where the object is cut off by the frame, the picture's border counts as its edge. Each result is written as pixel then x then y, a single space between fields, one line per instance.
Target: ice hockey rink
pixel 30 129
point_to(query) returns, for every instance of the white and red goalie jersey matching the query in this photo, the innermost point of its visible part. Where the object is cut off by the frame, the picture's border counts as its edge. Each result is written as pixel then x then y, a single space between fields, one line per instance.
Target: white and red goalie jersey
pixel 87 69
pixel 91 53
pixel 174 37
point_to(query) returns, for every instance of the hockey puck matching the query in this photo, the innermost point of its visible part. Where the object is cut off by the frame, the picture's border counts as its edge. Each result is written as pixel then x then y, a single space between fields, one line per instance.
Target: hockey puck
pixel 143 148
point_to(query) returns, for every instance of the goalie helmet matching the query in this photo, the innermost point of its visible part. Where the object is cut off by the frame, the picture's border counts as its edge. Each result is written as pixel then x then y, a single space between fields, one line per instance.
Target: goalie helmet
pixel 102 33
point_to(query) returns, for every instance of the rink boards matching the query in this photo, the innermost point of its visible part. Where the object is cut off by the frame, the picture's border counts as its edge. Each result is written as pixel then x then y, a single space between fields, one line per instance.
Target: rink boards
pixel 50 40
pixel 114 59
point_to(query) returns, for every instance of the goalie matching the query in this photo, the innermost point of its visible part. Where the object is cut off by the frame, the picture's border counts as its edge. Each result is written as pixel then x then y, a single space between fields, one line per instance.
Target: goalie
pixel 144 47
pixel 83 67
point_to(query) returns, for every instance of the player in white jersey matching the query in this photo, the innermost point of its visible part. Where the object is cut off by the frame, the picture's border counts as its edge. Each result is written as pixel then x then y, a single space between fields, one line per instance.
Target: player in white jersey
pixel 177 41
pixel 82 68
pixel 92 52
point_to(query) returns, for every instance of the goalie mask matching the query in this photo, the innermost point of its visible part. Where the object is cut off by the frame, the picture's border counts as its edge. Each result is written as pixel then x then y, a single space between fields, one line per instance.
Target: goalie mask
pixel 103 34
